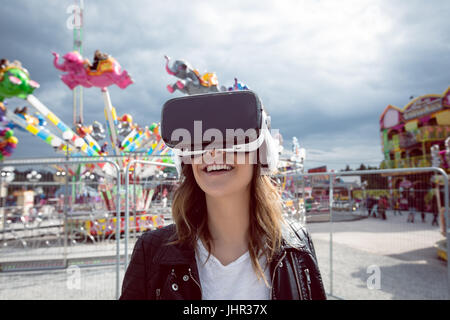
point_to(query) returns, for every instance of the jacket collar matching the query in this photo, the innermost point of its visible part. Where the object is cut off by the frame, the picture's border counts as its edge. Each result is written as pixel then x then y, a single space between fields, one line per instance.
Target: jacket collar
pixel 173 254
pixel 293 238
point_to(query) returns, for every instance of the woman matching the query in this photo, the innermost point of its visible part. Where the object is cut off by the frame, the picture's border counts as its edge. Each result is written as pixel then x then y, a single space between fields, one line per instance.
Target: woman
pixel 228 240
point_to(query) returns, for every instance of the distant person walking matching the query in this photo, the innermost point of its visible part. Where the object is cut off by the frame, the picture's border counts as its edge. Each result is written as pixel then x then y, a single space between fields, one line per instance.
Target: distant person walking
pixel 420 200
pixel 365 203
pixel 373 207
pixel 435 212
pixel 396 204
pixel 412 207
pixel 369 204
pixel 404 203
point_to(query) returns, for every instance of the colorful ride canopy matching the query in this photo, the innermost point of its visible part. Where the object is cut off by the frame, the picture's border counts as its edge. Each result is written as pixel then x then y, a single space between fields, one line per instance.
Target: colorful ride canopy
pixel 104 72
pixel 15 81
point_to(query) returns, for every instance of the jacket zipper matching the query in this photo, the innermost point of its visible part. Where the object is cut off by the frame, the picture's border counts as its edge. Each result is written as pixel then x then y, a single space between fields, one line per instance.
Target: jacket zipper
pixel 308 281
pixel 274 270
pixel 198 284
pixel 158 294
pixel 294 266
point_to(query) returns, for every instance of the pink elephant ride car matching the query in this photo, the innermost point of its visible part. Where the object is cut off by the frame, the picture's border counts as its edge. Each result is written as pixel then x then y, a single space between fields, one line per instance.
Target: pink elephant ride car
pixel 79 72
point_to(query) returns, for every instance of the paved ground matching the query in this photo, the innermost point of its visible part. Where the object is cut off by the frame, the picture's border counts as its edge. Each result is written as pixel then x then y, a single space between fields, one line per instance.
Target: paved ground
pixel 402 252
pixel 97 283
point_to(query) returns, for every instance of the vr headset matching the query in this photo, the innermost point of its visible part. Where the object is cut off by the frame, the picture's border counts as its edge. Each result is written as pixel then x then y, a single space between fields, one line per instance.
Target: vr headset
pixel 230 121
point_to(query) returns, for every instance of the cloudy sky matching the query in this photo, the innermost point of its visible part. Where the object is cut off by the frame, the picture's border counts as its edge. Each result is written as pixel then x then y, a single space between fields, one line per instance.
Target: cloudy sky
pixel 325 70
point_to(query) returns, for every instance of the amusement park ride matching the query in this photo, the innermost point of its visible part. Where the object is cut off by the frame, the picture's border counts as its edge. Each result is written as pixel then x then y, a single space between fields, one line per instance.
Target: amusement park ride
pixel 126 138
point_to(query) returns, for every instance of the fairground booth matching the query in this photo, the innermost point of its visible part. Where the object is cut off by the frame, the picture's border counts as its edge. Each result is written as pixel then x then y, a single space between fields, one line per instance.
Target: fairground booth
pixel 417 135
pixel 408 134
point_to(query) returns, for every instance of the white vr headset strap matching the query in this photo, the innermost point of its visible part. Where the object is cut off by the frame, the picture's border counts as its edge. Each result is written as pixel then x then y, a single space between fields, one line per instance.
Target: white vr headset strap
pixel 177 160
pixel 272 156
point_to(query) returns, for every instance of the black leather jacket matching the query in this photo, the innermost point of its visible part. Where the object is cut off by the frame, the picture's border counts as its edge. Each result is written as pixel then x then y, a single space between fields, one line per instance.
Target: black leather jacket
pixel 159 271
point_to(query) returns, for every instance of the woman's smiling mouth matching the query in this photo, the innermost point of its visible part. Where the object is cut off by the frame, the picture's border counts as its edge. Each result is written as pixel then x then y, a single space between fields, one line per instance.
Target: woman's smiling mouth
pixel 216 169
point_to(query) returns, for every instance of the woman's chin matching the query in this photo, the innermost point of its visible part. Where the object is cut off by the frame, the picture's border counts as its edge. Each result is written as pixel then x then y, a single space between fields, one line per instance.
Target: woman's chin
pixel 222 183
pixel 217 190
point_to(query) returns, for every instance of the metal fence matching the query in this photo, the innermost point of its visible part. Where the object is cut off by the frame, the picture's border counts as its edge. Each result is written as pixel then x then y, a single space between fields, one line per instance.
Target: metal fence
pixel 155 183
pixel 379 234
pixel 62 223
pixel 59 221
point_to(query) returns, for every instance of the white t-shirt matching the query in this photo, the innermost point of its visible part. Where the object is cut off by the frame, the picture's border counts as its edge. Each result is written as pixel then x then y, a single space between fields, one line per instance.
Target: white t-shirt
pixel 235 281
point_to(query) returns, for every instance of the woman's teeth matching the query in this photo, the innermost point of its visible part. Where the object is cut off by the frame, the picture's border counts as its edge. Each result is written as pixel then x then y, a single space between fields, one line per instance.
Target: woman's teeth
pixel 217 167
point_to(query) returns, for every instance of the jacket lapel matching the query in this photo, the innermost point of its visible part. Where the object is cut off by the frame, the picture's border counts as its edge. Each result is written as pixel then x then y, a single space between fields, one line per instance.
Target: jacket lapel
pixel 293 237
pixel 174 255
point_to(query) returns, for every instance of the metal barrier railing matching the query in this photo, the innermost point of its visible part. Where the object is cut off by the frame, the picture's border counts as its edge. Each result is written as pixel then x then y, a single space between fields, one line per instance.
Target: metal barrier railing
pixel 127 201
pixel 331 204
pixel 97 224
pixel 331 199
pixel 65 162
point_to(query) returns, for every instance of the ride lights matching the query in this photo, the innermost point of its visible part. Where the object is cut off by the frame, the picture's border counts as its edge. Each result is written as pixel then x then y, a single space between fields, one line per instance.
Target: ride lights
pixel 34 176
pixel 56 143
pixel 161 174
pixel 88 175
pixel 5 174
pixel 79 143
pixel 67 135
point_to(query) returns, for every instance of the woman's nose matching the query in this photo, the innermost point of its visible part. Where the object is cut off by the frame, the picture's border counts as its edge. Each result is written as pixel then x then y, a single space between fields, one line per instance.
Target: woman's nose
pixel 215 154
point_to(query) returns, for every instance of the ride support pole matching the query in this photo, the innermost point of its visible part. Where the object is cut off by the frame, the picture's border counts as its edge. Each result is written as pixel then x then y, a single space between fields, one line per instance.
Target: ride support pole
pixel 331 233
pixel 110 119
